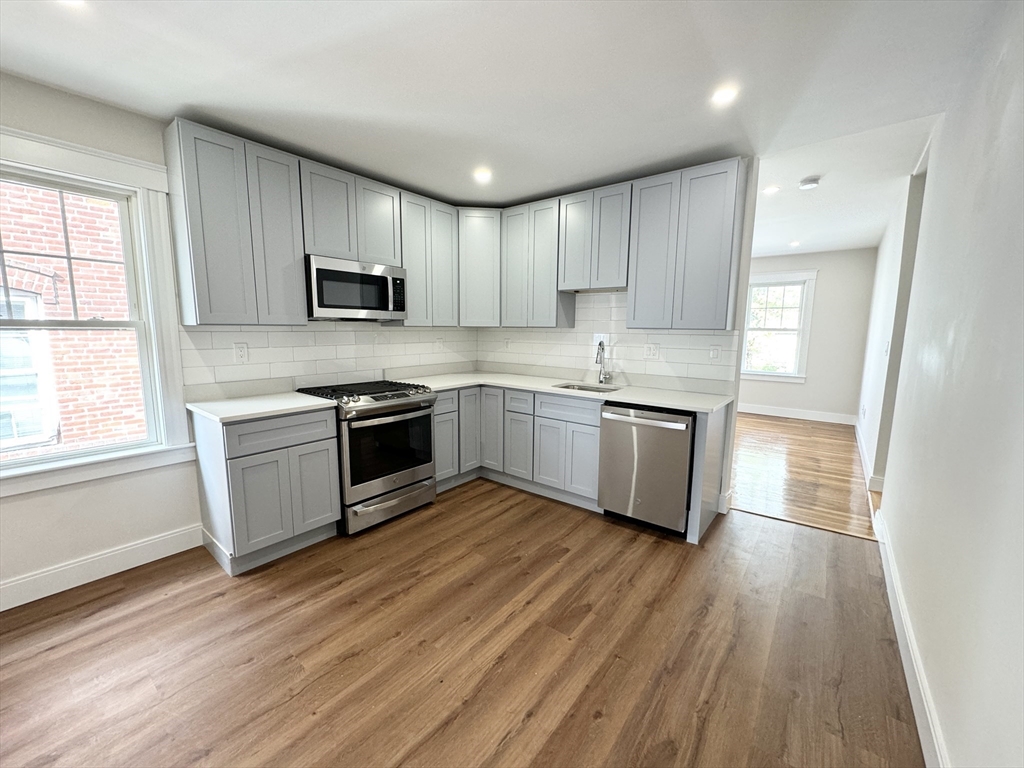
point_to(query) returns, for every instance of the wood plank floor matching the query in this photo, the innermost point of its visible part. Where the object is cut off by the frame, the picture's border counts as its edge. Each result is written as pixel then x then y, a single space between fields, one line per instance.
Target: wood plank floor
pixel 808 472
pixel 494 628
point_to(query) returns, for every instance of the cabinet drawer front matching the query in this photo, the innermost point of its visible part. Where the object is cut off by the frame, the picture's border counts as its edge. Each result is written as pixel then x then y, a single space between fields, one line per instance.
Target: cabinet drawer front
pixel 574 409
pixel 447 402
pixel 518 402
pixel 251 437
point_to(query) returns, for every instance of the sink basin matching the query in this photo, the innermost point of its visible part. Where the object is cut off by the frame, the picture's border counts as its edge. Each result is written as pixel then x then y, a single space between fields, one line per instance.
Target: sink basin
pixel 588 387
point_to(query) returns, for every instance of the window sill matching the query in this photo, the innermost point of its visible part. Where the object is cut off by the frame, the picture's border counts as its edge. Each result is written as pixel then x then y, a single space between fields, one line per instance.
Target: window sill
pixel 39 477
pixel 789 378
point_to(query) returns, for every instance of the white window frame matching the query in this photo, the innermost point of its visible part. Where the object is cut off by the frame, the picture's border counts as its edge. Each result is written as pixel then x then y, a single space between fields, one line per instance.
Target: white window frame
pixel 145 184
pixel 805 277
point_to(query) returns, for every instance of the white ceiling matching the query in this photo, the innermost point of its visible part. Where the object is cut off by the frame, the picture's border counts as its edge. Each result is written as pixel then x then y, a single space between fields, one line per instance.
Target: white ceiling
pixel 861 177
pixel 551 95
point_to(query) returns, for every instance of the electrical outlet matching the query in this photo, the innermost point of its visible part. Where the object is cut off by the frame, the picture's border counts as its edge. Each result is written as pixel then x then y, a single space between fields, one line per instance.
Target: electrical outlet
pixel 863 411
pixel 439 345
pixel 715 352
pixel 652 351
pixel 241 352
pixel 508 345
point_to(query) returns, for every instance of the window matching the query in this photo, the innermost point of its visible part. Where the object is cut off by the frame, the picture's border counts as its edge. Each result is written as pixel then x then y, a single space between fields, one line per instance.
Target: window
pixel 74 359
pixel 778 324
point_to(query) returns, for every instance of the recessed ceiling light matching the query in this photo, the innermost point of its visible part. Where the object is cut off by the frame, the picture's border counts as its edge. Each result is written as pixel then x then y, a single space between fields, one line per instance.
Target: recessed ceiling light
pixel 724 96
pixel 482 175
pixel 772 189
pixel 794 244
pixel 810 182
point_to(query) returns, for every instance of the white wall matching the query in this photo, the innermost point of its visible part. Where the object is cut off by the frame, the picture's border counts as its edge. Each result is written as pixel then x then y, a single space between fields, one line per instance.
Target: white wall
pixel 889 301
pixel 835 353
pixel 954 494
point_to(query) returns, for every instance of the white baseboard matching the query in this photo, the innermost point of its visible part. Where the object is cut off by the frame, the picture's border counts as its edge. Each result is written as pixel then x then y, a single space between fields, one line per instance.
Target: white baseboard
pixel 50 581
pixel 932 744
pixel 798 413
pixel 873 482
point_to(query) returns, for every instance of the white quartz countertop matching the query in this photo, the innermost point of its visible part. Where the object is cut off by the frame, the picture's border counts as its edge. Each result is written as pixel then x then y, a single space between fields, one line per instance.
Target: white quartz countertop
pixel 662 398
pixel 259 407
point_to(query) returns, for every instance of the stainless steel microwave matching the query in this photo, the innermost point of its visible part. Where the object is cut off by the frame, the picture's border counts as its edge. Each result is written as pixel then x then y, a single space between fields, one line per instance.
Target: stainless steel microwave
pixel 339 289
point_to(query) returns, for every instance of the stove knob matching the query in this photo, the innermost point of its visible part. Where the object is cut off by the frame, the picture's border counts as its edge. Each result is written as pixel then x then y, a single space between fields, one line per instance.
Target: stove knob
pixel 355 398
pixel 344 400
pixel 427 390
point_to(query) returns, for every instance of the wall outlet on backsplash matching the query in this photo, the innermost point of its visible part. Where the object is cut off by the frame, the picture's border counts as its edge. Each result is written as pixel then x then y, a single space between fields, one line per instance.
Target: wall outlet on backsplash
pixel 241 352
pixel 439 345
pixel 652 351
pixel 715 352
pixel 508 345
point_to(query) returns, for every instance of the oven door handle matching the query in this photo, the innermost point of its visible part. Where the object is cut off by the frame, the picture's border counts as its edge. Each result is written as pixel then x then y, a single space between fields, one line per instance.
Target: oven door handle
pixel 389 419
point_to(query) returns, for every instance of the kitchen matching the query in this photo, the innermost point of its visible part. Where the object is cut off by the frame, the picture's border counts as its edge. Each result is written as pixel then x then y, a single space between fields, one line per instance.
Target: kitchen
pixel 253 510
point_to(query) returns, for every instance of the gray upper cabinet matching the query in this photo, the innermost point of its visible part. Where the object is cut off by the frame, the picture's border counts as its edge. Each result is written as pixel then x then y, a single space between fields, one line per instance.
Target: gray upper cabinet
pixel 378 220
pixel 444 264
pixel 469 429
pixel 275 212
pixel 315 485
pixel 546 308
pixel 610 238
pixel 209 200
pixel 652 251
pixel 492 420
pixel 515 267
pixel 416 253
pixel 575 241
pixel 710 210
pixel 479 267
pixel 328 210
pixel 261 500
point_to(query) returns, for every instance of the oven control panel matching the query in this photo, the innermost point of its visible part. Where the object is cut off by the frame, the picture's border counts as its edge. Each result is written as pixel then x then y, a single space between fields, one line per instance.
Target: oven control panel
pixel 390 396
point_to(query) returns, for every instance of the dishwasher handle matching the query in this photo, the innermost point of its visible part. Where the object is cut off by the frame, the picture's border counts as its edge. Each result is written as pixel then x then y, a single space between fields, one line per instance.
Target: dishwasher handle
pixel 682 426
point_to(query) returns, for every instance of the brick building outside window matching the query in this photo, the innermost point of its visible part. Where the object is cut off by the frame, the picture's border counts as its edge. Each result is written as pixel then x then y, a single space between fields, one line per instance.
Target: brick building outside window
pixel 74 372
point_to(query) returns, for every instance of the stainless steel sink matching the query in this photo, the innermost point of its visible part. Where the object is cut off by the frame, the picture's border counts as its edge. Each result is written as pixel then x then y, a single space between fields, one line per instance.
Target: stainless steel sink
pixel 588 387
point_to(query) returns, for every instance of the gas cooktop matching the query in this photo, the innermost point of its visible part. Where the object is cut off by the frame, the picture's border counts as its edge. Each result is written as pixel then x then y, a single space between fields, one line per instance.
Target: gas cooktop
pixel 364 398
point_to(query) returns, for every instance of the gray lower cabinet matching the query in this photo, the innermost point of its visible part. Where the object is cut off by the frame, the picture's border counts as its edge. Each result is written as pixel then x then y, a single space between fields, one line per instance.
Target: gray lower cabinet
pixel 469 429
pixel 479 267
pixel 549 452
pixel 328 210
pixel 265 481
pixel 519 445
pixel 492 423
pixel 378 223
pixel 446 445
pixel 582 459
pixel 236 219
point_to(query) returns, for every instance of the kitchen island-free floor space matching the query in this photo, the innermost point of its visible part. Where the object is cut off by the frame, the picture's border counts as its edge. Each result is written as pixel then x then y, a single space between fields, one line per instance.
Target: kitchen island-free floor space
pixel 494 628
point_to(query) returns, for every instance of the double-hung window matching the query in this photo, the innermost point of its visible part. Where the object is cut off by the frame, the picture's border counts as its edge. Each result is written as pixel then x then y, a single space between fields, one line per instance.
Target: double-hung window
pixel 778 325
pixel 75 361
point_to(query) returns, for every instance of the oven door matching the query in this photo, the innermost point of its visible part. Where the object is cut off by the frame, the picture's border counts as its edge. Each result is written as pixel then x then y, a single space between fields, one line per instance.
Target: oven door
pixel 384 453
pixel 351 290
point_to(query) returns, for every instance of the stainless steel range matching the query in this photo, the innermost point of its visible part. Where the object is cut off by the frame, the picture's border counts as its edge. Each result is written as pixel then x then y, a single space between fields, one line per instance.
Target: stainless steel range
pixel 385 429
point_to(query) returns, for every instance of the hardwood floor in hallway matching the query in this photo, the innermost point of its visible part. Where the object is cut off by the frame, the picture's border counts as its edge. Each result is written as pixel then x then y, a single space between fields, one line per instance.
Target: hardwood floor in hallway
pixel 494 628
pixel 808 472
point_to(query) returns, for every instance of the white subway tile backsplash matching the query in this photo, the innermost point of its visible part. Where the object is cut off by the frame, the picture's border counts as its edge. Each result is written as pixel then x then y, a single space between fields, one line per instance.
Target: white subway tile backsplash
pixel 291 338
pixel 244 372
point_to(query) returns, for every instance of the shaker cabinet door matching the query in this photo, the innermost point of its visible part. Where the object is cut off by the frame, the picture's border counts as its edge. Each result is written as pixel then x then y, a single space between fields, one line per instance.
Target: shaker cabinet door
pixel 416 256
pixel 479 267
pixel 610 251
pixel 446 445
pixel 444 264
pixel 328 210
pixel 519 445
pixel 652 251
pixel 378 223
pixel 261 500
pixel 469 429
pixel 515 267
pixel 575 234
pixel 549 452
pixel 582 459
pixel 316 487
pixel 492 422
pixel 542 298
pixel 275 210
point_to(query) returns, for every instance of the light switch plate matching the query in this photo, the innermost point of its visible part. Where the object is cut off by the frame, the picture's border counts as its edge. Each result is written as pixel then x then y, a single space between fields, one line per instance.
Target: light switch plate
pixel 652 351
pixel 715 352
pixel 241 352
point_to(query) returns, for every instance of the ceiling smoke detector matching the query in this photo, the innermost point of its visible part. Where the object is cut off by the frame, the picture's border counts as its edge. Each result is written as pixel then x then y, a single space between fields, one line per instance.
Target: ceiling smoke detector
pixel 810 182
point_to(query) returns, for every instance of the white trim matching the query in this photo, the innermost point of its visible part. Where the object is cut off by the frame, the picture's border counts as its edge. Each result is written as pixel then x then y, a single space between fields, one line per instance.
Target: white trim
pixel 34 151
pixel 808 278
pixel 798 413
pixel 39 477
pixel 933 745
pixel 795 276
pixel 873 482
pixel 787 378
pixel 50 581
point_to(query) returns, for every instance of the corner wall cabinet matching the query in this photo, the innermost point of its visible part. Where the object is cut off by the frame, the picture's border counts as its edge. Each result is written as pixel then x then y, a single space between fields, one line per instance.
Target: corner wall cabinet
pixel 267 486
pixel 529 269
pixel 236 224
pixel 479 267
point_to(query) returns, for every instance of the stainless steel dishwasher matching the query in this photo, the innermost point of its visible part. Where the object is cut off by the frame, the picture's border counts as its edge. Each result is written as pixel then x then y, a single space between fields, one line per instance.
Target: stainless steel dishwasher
pixel 646 464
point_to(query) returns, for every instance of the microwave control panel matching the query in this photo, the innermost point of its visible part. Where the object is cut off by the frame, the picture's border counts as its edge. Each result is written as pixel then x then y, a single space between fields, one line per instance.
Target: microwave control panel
pixel 398 294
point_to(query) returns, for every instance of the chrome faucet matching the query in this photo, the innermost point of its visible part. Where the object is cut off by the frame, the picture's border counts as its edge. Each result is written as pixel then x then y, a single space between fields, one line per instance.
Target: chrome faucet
pixel 602 375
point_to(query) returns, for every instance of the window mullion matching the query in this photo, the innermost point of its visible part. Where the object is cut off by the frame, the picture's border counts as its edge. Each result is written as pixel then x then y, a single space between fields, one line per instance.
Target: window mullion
pixel 67 252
